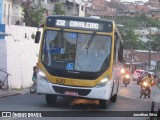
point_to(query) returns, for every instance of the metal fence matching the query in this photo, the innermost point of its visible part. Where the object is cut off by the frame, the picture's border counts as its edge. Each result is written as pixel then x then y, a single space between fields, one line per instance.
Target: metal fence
pixel 4 80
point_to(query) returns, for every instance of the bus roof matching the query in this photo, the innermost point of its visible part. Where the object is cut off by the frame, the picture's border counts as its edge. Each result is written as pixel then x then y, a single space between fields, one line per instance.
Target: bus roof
pixel 79 18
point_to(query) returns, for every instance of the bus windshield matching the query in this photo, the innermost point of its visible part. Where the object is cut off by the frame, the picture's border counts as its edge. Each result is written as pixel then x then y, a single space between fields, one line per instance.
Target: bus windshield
pixel 69 51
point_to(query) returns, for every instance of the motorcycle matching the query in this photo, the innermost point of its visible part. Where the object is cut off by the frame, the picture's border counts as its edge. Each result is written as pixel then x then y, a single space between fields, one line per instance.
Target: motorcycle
pixel 126 80
pixel 33 88
pixel 145 89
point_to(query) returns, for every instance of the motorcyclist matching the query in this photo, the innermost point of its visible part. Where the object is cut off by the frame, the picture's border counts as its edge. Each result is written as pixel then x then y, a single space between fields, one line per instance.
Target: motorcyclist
pixel 34 74
pixel 149 79
pixel 128 73
pixel 34 79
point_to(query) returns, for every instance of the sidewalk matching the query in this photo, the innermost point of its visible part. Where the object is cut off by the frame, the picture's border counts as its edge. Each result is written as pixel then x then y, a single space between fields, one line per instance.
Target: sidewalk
pixel 6 93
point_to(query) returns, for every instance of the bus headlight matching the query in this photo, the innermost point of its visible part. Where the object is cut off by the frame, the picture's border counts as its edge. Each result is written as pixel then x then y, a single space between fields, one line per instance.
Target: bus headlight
pixel 41 75
pixel 103 82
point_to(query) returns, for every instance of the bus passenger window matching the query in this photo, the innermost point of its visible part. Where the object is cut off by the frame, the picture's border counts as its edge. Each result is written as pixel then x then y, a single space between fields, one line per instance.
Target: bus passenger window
pixel 120 53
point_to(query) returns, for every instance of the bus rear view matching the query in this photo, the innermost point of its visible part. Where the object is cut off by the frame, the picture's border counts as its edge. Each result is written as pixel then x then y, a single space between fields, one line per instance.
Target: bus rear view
pixel 76 59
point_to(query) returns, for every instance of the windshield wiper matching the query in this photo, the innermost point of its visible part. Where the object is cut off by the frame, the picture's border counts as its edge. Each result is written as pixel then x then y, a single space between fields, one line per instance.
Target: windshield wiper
pixel 90 42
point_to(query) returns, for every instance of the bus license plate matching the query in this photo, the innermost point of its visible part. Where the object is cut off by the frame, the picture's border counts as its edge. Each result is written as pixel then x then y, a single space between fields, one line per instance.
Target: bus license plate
pixel 69 93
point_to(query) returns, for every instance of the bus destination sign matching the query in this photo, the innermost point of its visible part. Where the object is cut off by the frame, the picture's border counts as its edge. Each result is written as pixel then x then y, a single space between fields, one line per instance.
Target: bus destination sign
pixel 80 24
pixel 77 24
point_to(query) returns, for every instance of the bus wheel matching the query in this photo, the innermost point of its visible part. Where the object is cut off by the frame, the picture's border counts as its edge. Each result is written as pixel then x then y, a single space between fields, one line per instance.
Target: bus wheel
pixel 103 103
pixel 114 98
pixel 51 99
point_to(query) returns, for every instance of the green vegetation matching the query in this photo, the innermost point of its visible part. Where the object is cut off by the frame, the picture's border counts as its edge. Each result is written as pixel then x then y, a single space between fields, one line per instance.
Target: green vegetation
pixel 58 10
pixel 33 36
pixel 131 39
pixel 33 14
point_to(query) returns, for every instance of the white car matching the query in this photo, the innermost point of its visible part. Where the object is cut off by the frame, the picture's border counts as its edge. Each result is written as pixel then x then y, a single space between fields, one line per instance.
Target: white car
pixel 152 73
pixel 138 73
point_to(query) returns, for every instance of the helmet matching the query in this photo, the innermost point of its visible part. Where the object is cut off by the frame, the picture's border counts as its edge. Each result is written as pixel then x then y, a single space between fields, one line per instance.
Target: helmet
pixel 149 74
pixel 34 68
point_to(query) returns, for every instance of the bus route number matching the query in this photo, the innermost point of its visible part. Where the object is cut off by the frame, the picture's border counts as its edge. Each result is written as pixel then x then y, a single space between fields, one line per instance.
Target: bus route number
pixel 60 22
pixel 60 81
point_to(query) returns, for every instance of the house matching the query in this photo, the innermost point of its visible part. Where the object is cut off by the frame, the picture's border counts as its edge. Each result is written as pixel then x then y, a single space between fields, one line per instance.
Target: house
pixel 143 32
pixel 71 7
pixel 10 11
pixel 5 11
pixel 140 59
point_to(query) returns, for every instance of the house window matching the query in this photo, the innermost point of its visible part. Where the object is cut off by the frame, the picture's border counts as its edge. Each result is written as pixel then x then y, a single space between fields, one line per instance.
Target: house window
pixel 82 8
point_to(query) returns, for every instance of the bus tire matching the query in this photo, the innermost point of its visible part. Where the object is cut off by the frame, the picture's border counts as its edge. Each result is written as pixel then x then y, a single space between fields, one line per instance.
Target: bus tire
pixel 103 104
pixel 114 98
pixel 51 99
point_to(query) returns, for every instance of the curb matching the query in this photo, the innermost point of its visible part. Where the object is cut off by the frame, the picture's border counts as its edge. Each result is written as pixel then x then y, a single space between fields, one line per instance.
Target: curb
pixel 12 93
pixel 9 95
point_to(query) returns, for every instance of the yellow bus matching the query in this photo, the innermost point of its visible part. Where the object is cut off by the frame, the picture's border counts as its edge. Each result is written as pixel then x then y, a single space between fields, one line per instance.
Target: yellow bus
pixel 79 57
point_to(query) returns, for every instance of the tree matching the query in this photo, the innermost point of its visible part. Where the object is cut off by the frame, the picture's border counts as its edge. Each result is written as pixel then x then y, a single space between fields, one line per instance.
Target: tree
pixel 155 43
pixel 33 14
pixel 58 10
pixel 131 40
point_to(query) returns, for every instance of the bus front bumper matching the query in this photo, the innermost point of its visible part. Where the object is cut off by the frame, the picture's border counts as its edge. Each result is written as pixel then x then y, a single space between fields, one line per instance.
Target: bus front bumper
pixel 103 93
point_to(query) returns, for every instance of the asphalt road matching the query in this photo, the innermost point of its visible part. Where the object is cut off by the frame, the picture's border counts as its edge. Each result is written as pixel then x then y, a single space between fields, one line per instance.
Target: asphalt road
pixel 128 100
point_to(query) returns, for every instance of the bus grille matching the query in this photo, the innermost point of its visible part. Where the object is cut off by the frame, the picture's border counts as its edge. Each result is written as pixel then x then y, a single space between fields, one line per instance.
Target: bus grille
pixel 81 92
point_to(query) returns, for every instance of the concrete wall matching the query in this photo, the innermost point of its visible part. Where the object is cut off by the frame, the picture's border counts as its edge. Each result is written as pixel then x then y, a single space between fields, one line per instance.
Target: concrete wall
pixel 21 55
pixel 3 59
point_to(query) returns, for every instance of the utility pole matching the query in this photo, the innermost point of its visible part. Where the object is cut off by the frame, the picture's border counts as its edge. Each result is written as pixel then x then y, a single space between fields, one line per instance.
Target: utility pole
pixel 149 55
pixel 149 51
pixel 131 67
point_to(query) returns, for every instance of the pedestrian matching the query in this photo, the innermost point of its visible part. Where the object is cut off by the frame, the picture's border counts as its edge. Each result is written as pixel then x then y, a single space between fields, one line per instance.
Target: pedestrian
pixel 17 22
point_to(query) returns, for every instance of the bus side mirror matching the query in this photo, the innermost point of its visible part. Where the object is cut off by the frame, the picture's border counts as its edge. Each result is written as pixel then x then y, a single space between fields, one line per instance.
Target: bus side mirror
pixel 38 35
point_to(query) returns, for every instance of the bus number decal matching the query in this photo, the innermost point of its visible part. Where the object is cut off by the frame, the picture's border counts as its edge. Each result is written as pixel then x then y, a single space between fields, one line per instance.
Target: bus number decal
pixel 60 81
pixel 60 22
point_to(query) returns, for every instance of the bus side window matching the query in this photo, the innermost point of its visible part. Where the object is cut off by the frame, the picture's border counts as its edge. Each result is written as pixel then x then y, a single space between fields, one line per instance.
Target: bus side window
pixel 120 52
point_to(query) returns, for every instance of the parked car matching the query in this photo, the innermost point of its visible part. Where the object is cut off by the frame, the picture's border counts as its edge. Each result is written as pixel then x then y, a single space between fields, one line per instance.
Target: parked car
pixel 138 74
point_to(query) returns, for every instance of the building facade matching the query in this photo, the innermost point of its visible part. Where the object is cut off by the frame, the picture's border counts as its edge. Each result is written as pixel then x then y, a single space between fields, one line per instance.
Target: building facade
pixel 1 11
pixel 7 11
pixel 10 11
pixel 71 7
